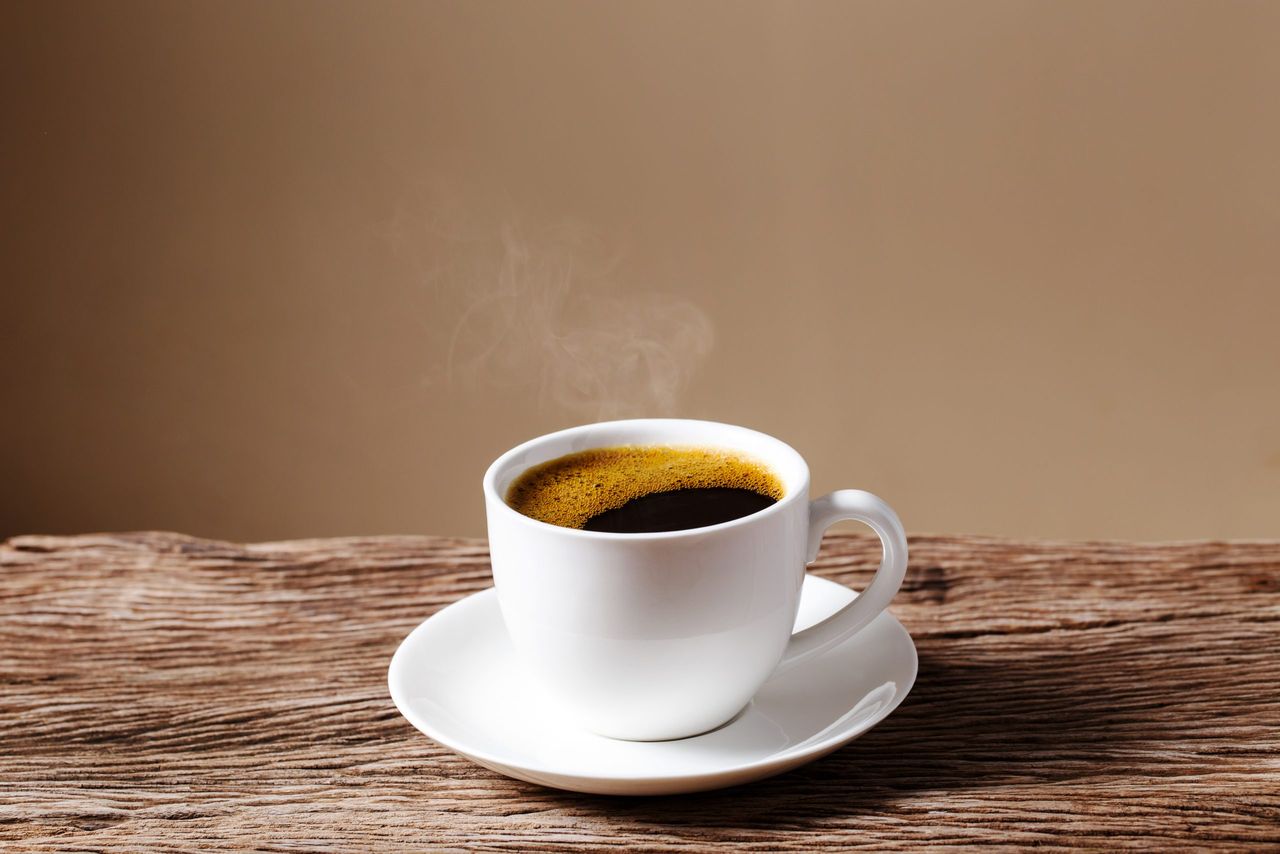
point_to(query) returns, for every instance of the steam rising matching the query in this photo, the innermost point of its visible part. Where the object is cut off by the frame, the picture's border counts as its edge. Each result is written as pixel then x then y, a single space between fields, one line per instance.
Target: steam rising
pixel 548 309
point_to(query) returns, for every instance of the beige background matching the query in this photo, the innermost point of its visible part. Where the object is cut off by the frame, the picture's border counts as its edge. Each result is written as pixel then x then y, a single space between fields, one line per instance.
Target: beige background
pixel 1011 265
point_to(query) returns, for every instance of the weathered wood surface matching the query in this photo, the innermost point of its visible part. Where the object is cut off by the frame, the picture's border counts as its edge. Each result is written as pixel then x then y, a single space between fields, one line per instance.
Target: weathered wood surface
pixel 160 691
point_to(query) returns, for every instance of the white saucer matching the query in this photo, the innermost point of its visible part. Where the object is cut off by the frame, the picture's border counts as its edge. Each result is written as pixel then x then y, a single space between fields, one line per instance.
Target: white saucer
pixel 455 679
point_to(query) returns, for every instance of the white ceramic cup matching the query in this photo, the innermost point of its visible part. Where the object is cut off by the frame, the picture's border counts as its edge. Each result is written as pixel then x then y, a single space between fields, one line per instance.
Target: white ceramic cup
pixel 667 635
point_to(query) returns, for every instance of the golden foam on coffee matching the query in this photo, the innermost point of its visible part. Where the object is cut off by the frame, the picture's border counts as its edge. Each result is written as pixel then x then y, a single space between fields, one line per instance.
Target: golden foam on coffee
pixel 570 490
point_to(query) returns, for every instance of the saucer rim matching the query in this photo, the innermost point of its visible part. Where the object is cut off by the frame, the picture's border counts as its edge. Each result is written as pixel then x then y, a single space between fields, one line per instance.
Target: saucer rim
pixel 759 769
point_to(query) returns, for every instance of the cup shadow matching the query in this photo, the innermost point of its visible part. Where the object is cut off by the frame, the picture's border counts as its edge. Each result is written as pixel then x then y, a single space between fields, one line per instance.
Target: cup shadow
pixel 974 719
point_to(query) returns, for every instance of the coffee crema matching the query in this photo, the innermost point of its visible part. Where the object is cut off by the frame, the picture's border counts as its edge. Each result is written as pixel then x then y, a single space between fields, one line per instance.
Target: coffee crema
pixel 644 488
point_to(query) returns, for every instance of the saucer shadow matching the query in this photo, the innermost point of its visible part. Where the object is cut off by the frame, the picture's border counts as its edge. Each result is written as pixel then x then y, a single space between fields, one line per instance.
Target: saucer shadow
pixel 974 719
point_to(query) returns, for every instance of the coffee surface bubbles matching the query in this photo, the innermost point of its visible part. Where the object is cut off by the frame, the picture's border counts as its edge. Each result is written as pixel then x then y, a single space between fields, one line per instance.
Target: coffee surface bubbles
pixel 644 488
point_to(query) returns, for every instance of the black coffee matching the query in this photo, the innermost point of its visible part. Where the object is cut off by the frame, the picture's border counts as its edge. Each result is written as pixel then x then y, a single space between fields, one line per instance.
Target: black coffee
pixel 643 489
pixel 680 509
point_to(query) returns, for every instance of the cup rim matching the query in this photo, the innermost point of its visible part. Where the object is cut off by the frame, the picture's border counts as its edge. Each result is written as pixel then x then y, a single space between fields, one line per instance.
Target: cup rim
pixel 498 503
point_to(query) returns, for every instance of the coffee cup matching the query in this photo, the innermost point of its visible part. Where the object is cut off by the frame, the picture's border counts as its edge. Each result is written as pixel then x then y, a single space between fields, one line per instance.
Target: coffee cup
pixel 665 635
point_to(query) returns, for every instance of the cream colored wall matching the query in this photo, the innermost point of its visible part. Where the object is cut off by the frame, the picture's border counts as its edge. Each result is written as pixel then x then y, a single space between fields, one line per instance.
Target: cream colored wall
pixel 1011 265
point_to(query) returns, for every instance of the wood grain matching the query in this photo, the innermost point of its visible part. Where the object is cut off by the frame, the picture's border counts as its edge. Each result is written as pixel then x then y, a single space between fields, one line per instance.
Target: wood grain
pixel 169 693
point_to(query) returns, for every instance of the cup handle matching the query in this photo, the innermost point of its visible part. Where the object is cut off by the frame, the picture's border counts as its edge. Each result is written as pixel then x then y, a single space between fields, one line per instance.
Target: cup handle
pixel 863 507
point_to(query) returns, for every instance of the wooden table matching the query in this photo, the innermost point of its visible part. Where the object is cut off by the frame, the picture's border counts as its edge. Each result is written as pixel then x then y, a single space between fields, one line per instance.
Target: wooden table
pixel 161 691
